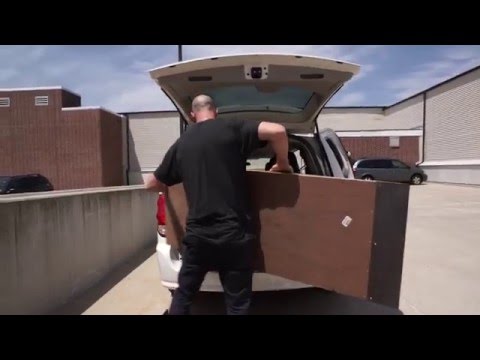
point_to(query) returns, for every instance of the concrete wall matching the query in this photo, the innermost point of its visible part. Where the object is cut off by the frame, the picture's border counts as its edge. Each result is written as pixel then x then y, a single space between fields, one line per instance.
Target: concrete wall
pixel 55 245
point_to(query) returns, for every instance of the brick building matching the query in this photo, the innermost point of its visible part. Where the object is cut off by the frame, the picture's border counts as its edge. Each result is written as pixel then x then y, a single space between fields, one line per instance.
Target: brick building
pixel 403 145
pixel 46 131
pixel 391 131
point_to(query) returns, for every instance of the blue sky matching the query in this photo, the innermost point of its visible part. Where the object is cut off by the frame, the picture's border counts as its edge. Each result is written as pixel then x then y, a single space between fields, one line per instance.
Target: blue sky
pixel 115 76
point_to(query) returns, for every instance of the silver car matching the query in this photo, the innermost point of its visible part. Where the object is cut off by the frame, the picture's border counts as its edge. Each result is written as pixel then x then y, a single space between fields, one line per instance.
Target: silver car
pixel 385 169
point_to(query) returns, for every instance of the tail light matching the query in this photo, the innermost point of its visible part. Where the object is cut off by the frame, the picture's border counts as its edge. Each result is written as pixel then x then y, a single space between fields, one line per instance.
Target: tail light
pixel 161 215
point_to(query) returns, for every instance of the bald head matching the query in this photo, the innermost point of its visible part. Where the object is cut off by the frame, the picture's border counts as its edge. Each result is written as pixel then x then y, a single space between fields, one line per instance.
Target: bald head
pixel 202 102
pixel 203 108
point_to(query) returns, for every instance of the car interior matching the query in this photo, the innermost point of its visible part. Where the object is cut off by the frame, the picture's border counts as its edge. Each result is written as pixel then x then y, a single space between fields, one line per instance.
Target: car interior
pixel 301 156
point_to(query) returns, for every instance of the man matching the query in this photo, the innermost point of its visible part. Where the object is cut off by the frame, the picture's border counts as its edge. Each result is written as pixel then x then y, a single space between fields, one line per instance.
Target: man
pixel 209 158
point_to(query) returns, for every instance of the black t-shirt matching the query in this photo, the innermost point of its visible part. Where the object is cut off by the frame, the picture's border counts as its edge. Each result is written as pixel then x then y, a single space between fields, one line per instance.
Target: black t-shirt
pixel 210 160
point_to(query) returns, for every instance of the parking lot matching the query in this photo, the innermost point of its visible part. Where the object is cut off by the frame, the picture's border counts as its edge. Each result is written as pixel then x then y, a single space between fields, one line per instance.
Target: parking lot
pixel 441 270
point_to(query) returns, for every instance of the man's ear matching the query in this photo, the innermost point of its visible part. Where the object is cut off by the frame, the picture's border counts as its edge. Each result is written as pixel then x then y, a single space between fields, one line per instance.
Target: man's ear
pixel 192 116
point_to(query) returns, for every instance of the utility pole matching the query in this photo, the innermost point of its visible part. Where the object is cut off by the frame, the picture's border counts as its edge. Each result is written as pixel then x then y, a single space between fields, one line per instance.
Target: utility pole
pixel 180 55
pixel 182 121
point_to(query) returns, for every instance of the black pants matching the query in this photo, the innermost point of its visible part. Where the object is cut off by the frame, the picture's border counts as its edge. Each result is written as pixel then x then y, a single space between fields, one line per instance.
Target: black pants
pixel 234 265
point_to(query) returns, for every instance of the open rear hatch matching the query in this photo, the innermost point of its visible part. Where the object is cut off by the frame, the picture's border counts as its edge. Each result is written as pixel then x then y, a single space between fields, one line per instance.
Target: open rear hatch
pixel 287 89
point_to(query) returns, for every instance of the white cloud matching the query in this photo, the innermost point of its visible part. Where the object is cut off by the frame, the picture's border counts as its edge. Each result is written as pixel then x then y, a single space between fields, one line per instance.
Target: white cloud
pixel 140 95
pixel 364 71
pixel 453 61
pixel 20 55
pixel 350 99
pixel 197 51
pixel 460 52
pixel 8 74
pixel 124 90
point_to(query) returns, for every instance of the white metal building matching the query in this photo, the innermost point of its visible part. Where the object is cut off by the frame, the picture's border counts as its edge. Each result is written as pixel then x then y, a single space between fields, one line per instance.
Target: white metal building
pixel 452 130
pixel 150 134
pixel 441 124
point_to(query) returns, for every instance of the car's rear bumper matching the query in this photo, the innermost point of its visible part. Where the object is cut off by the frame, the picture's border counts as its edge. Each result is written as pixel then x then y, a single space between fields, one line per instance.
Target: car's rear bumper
pixel 169 266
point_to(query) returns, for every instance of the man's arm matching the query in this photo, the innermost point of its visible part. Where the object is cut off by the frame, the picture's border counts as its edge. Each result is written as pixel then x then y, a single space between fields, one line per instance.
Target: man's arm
pixel 276 135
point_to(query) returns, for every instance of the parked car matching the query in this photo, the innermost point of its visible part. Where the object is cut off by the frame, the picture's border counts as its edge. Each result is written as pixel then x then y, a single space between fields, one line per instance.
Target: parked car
pixel 385 169
pixel 24 184
pixel 287 89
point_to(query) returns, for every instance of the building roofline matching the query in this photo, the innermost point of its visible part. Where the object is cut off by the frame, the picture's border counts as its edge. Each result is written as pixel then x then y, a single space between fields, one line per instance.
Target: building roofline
pixel 147 112
pixel 379 133
pixel 40 88
pixel 79 108
pixel 378 130
pixel 435 86
pixel 354 107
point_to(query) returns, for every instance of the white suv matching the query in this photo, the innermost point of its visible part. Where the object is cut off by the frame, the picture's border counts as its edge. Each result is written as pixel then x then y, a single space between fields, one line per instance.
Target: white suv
pixel 287 89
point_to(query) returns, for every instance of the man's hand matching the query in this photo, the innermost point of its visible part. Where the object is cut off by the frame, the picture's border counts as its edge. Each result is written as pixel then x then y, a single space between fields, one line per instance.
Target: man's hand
pixel 282 168
pixel 152 184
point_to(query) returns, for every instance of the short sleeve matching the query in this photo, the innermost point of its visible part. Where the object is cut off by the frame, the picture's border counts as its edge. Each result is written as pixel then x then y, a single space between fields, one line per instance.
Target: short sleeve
pixel 168 172
pixel 248 131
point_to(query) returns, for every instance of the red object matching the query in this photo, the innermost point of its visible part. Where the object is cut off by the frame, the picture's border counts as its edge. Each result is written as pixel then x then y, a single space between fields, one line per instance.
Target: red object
pixel 161 209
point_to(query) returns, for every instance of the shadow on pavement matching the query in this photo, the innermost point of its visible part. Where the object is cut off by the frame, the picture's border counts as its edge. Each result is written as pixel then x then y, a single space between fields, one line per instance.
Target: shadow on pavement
pixel 295 302
pixel 80 303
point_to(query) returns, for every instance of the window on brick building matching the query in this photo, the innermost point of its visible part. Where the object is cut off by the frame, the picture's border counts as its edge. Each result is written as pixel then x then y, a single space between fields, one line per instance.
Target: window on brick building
pixel 4 101
pixel 394 141
pixel 41 100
